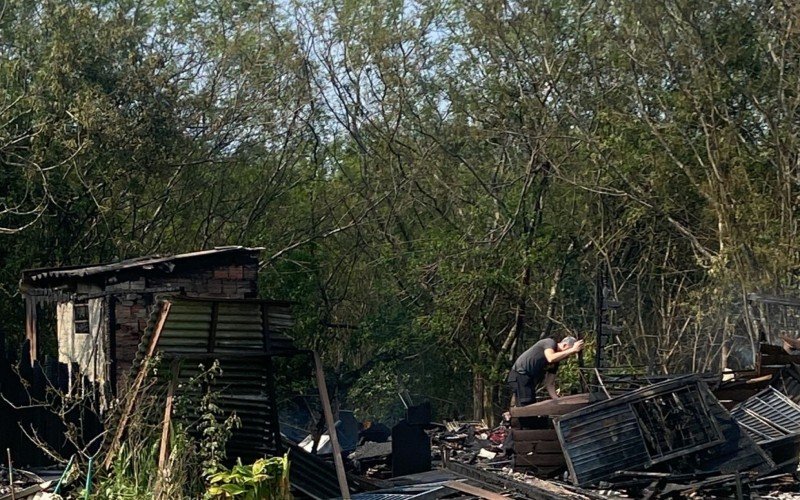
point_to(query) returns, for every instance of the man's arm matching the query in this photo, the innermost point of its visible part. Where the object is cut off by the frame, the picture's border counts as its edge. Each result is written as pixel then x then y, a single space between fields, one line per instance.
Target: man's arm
pixel 550 385
pixel 554 357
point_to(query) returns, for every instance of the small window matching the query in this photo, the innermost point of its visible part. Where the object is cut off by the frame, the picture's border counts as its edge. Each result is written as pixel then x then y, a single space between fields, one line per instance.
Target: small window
pixel 80 315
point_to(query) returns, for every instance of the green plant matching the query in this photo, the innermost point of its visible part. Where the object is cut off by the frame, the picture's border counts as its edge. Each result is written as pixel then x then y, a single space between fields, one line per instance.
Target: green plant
pixel 266 478
pixel 212 427
pixel 198 433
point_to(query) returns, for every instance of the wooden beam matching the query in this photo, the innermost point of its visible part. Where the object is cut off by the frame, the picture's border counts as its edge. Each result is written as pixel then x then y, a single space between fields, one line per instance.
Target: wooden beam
pixel 550 407
pixel 474 490
pixel 163 453
pixel 111 317
pixel 212 333
pixel 265 333
pixel 28 492
pixel 523 447
pixel 326 408
pixel 534 435
pixel 31 332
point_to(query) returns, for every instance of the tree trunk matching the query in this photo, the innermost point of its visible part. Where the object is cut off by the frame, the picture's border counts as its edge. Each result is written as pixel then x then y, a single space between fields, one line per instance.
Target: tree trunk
pixel 489 391
pixel 477 395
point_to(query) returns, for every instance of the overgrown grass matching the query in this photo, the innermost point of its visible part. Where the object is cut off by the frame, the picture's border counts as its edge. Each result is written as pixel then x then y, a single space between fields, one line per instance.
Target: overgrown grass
pixel 195 464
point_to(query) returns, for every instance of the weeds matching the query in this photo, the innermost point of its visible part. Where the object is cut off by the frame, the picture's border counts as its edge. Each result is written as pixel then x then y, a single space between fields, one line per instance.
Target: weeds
pixel 197 438
pixel 194 466
pixel 267 478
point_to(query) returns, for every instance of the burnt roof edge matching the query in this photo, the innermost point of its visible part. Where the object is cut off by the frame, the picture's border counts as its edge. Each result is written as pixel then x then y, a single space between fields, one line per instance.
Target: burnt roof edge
pixel 37 276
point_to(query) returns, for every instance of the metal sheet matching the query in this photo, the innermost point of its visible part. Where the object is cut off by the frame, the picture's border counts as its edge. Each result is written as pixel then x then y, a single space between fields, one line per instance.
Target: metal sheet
pixel 655 424
pixel 31 276
pixel 768 415
pixel 239 335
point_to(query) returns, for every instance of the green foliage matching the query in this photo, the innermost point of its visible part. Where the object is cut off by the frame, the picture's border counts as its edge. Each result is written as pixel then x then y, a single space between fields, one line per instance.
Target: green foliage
pixel 266 478
pixel 212 426
pixel 433 182
pixel 198 433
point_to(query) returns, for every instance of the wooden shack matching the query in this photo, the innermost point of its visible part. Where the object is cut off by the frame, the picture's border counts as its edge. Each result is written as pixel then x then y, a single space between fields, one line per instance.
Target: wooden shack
pixel 97 313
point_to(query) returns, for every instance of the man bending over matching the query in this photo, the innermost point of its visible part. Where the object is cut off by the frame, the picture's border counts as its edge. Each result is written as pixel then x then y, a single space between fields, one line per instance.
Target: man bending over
pixel 540 364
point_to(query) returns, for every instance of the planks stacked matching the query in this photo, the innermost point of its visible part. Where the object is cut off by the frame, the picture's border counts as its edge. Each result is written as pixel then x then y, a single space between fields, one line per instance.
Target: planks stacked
pixel 536 445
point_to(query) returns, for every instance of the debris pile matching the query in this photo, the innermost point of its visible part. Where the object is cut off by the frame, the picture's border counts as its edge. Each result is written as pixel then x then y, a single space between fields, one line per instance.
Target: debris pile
pixel 372 460
pixel 26 485
pixel 667 439
pixel 671 438
pixel 472 442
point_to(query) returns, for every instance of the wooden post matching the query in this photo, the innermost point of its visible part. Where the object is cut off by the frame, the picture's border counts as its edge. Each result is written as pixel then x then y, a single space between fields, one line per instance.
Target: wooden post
pixel 10 475
pixel 111 317
pixel 163 452
pixel 132 395
pixel 31 328
pixel 326 408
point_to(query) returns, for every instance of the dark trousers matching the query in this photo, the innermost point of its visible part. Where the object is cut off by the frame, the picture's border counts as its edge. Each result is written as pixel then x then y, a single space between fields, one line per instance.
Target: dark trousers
pixel 523 387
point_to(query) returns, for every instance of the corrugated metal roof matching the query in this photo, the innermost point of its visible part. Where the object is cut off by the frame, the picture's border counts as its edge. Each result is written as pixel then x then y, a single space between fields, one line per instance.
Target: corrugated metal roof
pixel 312 475
pixel 32 276
pixel 316 477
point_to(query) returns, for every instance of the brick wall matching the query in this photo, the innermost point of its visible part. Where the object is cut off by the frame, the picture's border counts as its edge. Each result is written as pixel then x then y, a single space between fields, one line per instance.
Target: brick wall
pixel 135 297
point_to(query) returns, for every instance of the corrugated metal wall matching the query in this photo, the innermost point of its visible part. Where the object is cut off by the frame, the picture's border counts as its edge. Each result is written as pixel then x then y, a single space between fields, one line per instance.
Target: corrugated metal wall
pixel 242 335
pixel 599 444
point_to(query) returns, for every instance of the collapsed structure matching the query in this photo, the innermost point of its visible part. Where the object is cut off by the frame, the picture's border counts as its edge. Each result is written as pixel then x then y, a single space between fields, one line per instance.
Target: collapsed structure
pixel 108 321
pixel 666 434
pixel 633 430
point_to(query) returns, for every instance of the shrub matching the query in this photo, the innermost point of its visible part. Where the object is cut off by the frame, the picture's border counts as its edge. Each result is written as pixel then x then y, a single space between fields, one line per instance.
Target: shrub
pixel 266 478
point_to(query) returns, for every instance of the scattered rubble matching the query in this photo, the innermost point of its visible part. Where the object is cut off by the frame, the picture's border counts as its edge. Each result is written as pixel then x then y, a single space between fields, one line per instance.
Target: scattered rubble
pixel 471 442
pixel 26 486
pixel 372 460
pixel 668 439
pixel 732 435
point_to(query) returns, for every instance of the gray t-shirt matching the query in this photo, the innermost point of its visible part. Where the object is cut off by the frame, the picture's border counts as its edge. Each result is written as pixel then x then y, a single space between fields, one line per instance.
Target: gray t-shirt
pixel 533 362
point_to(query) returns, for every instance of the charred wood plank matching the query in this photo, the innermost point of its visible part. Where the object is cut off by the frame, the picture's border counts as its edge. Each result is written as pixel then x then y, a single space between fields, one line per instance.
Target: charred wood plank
pixel 547 491
pixel 524 447
pixel 474 490
pixel 540 460
pixel 560 406
pixel 520 435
